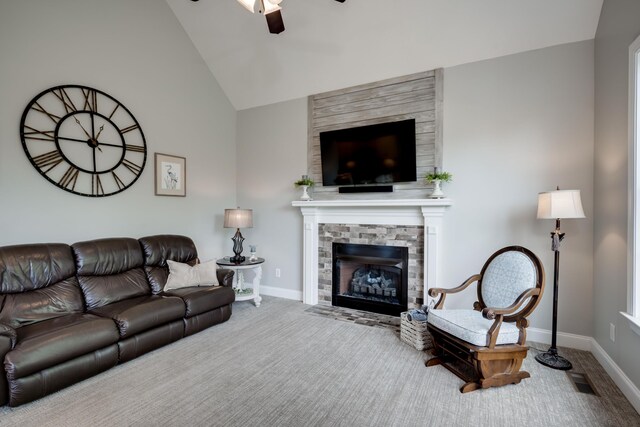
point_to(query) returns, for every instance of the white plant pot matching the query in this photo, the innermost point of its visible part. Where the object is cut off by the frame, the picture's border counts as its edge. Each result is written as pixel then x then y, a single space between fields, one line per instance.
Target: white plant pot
pixel 305 193
pixel 437 190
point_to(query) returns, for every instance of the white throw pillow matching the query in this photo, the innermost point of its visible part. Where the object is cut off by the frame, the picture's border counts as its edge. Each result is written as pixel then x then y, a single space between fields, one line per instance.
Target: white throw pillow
pixel 183 275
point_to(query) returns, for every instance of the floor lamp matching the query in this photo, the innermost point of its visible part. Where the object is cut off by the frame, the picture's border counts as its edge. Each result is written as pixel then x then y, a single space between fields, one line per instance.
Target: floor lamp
pixel 559 204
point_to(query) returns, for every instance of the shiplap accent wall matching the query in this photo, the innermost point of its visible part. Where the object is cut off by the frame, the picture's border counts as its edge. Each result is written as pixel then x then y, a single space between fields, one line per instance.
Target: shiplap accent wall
pixel 416 96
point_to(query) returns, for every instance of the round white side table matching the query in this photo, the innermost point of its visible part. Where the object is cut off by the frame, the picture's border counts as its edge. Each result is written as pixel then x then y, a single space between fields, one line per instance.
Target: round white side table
pixel 245 291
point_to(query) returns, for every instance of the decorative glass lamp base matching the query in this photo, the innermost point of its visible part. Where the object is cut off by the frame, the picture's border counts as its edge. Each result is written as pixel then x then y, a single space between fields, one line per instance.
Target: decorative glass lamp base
pixel 237 259
pixel 551 359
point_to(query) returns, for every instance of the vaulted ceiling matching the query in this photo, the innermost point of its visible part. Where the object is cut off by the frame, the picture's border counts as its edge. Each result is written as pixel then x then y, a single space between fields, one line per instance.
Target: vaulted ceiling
pixel 330 45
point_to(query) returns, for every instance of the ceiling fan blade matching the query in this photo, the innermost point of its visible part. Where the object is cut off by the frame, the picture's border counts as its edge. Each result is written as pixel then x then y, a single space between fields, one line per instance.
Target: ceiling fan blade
pixel 275 22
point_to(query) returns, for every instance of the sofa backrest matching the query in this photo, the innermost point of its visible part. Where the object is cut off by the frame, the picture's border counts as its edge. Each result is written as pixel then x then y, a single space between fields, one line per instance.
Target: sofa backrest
pixel 158 249
pixel 37 282
pixel 110 270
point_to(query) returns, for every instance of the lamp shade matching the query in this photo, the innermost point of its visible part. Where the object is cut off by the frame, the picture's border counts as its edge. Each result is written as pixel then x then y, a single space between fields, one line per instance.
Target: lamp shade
pixel 560 204
pixel 238 218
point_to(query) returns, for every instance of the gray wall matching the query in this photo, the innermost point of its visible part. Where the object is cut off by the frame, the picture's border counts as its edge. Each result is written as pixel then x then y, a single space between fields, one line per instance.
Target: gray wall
pixel 618 28
pixel 513 126
pixel 137 52
pixel 272 154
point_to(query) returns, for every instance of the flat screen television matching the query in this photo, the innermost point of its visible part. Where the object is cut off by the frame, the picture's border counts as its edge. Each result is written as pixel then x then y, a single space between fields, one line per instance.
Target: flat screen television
pixel 376 154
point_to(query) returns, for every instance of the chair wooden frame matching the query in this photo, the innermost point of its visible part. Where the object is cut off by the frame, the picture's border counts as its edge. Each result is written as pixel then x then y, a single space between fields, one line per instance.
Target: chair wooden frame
pixel 490 365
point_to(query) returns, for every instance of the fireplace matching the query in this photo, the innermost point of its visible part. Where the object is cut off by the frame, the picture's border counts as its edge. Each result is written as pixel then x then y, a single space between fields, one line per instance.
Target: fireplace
pixel 370 277
pixel 415 223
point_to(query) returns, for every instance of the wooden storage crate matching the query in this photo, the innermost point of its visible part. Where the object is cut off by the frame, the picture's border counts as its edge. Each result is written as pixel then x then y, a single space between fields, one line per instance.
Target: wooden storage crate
pixel 414 332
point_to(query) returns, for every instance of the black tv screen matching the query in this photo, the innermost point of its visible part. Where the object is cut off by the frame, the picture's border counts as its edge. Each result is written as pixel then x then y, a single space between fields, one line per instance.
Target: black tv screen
pixel 376 154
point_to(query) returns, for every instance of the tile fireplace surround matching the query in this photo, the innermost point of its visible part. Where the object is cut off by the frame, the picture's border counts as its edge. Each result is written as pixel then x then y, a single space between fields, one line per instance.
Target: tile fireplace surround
pixel 372 216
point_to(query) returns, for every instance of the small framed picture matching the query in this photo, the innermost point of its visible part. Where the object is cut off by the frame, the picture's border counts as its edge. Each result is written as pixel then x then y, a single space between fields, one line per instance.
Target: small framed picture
pixel 171 175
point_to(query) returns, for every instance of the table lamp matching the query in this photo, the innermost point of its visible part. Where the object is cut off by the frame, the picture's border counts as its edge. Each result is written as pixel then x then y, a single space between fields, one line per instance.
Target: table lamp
pixel 238 218
pixel 559 204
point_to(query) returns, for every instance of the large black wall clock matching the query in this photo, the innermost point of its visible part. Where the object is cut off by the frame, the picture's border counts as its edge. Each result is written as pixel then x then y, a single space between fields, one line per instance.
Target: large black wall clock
pixel 83 140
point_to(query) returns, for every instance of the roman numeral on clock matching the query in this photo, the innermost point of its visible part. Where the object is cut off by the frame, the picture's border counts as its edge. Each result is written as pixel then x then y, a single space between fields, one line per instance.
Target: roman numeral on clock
pixel 129 128
pixel 134 148
pixel 69 178
pixel 96 185
pixel 37 107
pixel 48 161
pixel 40 135
pixel 63 96
pixel 90 99
pixel 119 182
pixel 135 169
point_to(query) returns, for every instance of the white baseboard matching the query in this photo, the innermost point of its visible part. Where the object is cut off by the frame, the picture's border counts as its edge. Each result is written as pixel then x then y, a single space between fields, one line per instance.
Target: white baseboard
pixel 281 293
pixel 563 339
pixel 623 382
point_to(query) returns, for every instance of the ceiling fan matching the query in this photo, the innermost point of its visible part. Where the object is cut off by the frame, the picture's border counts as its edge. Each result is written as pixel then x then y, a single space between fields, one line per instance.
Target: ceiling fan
pixel 271 10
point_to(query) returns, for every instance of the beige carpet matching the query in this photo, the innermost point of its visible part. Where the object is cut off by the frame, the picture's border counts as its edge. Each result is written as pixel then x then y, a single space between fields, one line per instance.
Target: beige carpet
pixel 279 366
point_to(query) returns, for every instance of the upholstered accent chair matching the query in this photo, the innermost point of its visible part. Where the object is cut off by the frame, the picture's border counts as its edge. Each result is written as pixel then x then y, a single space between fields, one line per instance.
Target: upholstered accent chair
pixel 485 346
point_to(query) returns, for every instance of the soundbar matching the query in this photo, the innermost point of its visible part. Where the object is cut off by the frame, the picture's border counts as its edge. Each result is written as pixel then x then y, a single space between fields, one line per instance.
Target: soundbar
pixel 367 189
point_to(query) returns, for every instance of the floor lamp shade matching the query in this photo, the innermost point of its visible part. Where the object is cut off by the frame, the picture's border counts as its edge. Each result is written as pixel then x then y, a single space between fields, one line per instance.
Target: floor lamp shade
pixel 560 204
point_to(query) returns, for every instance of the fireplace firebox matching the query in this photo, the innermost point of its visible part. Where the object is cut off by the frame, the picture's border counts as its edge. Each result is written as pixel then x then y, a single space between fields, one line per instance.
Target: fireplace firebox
pixel 370 277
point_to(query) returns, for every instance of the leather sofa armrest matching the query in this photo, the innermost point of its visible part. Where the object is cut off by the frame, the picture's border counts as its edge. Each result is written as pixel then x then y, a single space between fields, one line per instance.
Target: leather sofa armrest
pixel 8 333
pixel 7 342
pixel 225 277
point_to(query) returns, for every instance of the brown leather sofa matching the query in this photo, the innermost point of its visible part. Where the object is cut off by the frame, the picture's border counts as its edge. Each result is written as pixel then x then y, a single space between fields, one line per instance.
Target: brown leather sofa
pixel 70 312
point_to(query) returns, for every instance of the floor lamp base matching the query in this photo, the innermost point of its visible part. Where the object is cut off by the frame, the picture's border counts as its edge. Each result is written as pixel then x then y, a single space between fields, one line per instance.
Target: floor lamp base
pixel 551 359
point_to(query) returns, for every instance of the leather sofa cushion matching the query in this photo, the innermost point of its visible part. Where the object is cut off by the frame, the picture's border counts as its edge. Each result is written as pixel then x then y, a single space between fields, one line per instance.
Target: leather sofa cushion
pixel 142 313
pixel 110 270
pixel 201 299
pixel 37 282
pixel 28 267
pixel 103 257
pixel 51 342
pixel 158 249
pixel 56 300
pixel 104 290
pixel 39 384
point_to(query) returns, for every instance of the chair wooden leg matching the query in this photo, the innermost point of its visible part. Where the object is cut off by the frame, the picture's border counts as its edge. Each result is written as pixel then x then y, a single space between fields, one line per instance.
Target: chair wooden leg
pixel 498 372
pixel 470 386
pixel 433 361
pixel 504 379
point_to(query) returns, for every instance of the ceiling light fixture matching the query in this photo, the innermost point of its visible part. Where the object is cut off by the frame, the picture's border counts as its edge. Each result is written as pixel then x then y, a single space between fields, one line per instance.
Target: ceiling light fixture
pixel 271 10
pixel 248 4
pixel 264 6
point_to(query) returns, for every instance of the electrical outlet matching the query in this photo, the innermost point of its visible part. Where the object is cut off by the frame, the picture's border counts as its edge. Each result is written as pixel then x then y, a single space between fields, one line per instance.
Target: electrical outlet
pixel 612 332
pixel 277 272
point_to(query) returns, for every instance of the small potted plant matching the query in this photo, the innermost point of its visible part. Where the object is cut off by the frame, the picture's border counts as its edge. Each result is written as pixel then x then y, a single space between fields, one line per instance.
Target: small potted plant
pixel 305 182
pixel 436 178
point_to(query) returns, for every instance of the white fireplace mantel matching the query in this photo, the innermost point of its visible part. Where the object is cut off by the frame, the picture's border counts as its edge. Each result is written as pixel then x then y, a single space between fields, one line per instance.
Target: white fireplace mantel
pixel 425 212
